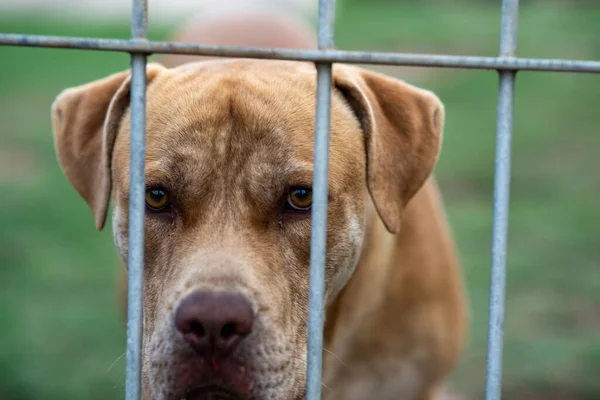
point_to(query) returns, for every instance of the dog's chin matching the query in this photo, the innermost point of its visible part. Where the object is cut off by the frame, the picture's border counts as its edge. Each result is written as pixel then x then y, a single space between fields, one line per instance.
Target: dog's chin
pixel 197 379
pixel 213 392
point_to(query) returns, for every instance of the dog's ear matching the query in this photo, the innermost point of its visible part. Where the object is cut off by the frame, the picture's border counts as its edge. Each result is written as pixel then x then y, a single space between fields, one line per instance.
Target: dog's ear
pixel 85 121
pixel 403 128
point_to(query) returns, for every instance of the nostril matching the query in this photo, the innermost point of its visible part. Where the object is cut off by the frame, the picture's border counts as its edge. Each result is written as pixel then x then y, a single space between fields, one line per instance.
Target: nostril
pixel 228 330
pixel 197 328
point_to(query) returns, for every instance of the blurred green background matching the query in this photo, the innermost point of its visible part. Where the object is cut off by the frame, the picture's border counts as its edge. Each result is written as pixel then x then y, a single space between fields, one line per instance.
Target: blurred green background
pixel 61 333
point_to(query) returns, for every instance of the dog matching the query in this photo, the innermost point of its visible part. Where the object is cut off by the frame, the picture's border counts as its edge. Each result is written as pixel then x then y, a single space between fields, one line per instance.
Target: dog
pixel 229 165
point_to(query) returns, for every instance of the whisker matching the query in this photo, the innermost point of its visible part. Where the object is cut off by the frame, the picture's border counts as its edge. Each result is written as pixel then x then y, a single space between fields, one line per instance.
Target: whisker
pixel 115 362
pixel 120 386
pixel 335 355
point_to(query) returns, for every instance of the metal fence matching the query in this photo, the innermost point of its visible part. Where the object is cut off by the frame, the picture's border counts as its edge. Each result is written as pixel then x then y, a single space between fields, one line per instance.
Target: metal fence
pixel 507 64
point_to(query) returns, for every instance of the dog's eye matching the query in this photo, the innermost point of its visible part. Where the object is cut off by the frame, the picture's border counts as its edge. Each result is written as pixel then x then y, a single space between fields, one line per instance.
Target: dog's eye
pixel 157 199
pixel 300 199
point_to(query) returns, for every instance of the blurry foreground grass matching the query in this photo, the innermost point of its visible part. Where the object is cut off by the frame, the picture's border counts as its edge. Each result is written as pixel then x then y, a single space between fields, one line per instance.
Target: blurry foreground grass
pixel 61 334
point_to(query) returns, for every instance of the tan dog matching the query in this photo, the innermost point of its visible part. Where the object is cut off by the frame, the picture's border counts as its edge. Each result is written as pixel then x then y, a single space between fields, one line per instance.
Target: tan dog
pixel 227 240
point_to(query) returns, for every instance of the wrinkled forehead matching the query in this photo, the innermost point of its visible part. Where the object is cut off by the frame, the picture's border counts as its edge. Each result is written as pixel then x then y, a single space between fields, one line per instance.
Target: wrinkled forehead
pixel 230 116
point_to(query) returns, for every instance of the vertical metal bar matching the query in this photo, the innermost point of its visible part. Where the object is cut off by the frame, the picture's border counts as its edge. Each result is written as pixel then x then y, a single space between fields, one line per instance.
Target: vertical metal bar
pixel 508 48
pixel 139 24
pixel 318 242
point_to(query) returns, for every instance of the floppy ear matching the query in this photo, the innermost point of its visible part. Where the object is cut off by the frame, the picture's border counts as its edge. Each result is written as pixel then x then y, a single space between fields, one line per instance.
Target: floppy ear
pixel 403 134
pixel 85 121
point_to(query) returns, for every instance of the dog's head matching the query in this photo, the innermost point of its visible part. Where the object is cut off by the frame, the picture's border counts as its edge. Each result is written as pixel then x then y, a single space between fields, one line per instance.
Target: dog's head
pixel 229 167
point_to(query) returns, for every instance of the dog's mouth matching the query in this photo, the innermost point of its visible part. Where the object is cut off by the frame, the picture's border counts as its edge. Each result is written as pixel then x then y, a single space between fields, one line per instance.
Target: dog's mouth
pixel 212 392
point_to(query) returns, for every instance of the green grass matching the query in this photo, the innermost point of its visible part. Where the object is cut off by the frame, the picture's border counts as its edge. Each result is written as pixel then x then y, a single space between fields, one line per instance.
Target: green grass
pixel 60 328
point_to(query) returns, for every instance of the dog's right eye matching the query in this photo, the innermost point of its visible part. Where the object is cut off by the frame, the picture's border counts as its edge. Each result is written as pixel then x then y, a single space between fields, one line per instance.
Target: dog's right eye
pixel 300 199
pixel 157 199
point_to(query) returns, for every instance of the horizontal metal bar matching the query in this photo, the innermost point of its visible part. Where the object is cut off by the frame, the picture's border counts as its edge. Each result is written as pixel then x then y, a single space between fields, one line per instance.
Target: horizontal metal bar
pixel 332 56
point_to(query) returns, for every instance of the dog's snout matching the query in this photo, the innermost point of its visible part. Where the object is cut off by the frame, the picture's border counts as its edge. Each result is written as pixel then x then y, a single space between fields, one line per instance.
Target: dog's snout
pixel 214 322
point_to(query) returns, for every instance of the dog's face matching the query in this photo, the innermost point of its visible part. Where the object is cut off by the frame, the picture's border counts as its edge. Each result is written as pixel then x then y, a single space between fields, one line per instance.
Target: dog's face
pixel 229 168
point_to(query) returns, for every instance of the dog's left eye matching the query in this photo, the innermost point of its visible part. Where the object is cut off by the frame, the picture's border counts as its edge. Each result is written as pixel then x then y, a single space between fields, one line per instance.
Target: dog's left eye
pixel 299 199
pixel 157 199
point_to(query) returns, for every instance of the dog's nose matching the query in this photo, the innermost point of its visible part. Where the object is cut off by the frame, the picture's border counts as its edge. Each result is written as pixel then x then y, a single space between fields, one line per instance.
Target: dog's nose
pixel 214 322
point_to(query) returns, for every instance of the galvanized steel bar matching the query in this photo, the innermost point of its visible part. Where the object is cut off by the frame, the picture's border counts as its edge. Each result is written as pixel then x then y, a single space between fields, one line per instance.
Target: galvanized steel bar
pixel 508 48
pixel 135 264
pixel 318 243
pixel 328 55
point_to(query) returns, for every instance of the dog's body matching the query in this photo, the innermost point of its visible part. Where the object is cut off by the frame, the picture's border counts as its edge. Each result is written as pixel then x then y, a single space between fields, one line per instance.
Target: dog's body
pixel 226 140
pixel 398 327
